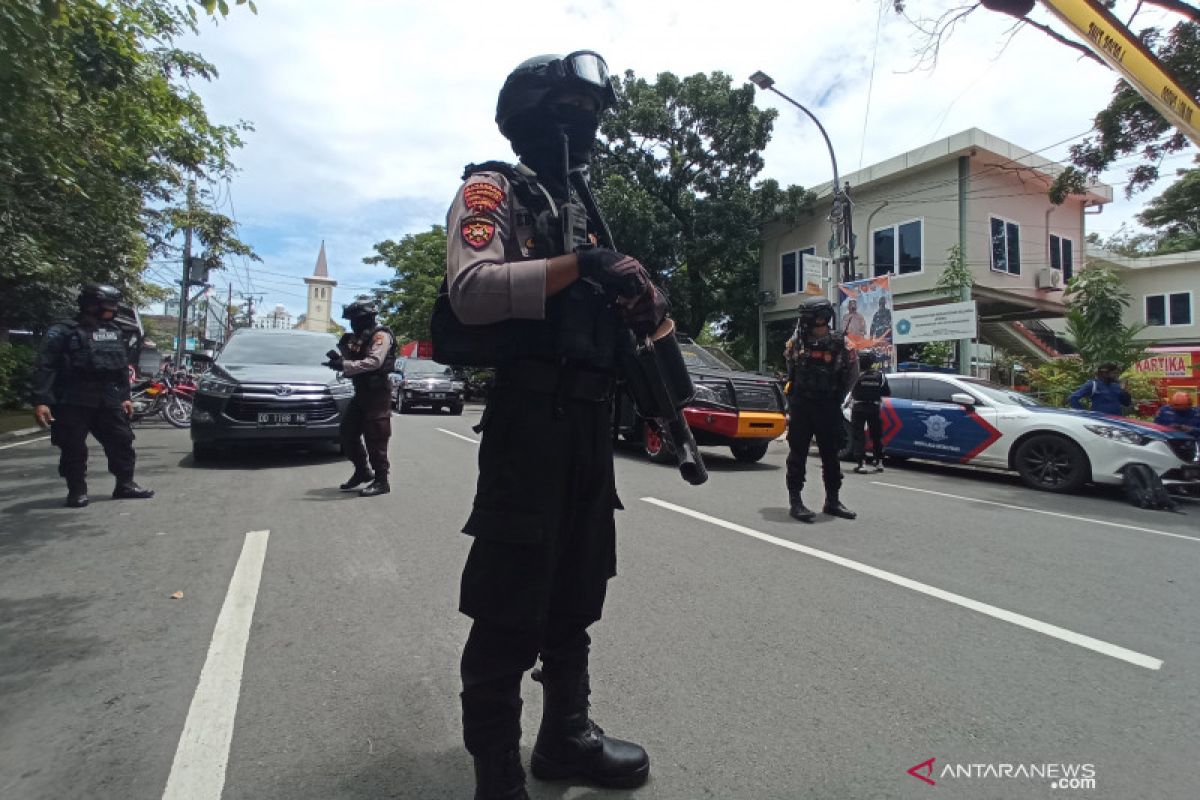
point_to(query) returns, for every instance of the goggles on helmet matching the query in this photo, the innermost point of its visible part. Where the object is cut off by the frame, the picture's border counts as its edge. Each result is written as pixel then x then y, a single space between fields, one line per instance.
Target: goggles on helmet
pixel 588 67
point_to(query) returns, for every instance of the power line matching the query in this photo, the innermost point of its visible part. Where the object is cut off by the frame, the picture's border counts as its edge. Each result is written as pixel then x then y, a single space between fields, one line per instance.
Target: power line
pixel 862 146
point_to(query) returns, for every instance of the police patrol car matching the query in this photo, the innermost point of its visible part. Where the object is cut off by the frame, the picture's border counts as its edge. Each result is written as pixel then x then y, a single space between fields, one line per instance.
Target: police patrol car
pixel 969 421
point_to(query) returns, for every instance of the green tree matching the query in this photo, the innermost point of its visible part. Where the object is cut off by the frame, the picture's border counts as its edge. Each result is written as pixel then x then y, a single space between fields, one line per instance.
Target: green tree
pixel 419 263
pixel 675 177
pixel 1096 301
pixel 1175 214
pixel 100 134
pixel 936 353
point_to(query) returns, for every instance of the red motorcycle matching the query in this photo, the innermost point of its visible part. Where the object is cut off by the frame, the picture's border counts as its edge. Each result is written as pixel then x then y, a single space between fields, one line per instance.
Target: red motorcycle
pixel 169 396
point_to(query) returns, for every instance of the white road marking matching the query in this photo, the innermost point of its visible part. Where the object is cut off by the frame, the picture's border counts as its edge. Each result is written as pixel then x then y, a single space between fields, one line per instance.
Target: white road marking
pixel 458 436
pixel 1079 639
pixel 27 441
pixel 198 772
pixel 1039 511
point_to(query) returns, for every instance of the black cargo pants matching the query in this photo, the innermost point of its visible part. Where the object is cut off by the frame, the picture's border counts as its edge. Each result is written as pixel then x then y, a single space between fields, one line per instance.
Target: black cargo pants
pixel 865 414
pixel 110 426
pixel 820 417
pixel 368 419
pixel 544 548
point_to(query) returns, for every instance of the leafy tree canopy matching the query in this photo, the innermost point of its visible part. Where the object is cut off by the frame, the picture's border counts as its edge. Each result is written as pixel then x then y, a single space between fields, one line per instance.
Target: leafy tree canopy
pixel 675 177
pixel 1096 302
pixel 99 135
pixel 406 300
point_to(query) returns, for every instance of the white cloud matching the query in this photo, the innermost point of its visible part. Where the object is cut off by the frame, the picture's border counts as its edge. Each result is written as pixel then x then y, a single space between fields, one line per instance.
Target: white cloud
pixel 366 110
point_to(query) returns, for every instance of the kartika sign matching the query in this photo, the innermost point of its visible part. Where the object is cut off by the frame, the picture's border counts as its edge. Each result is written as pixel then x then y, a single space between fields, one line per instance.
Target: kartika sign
pixel 1166 365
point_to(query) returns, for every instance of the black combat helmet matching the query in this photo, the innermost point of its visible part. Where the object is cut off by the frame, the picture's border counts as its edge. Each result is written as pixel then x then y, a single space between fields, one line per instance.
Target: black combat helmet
pixel 815 310
pixel 99 294
pixel 548 95
pixel 362 307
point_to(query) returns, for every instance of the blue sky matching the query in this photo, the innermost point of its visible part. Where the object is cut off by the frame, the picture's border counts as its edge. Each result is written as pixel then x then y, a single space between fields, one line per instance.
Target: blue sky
pixel 365 111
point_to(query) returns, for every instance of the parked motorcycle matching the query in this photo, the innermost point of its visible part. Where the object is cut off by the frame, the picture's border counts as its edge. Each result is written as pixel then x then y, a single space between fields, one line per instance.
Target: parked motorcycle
pixel 166 395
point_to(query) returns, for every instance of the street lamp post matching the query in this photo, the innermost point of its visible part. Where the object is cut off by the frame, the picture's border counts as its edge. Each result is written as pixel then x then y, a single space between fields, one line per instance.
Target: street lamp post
pixel 841 214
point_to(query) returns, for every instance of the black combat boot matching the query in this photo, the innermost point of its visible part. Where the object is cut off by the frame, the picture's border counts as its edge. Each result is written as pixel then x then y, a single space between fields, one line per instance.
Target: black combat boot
pixel 129 490
pixel 76 494
pixel 834 508
pixel 570 745
pixel 359 477
pixel 377 486
pixel 499 776
pixel 798 510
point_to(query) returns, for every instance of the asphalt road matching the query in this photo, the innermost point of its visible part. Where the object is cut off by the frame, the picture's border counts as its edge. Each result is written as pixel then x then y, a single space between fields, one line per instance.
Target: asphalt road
pixel 962 618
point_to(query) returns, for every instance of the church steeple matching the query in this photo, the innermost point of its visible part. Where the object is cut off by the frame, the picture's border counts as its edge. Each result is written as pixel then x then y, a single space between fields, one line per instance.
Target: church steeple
pixel 320 295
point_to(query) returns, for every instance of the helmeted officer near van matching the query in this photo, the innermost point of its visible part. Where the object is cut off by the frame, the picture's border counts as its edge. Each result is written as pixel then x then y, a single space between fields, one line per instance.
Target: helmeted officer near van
pixel 519 267
pixel 367 357
pixel 822 367
pixel 81 386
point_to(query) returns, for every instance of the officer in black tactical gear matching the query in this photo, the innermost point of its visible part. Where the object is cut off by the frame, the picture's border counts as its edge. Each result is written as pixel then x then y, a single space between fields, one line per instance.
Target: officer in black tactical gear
pixel 867 395
pixel 366 356
pixel 822 367
pixel 550 311
pixel 81 386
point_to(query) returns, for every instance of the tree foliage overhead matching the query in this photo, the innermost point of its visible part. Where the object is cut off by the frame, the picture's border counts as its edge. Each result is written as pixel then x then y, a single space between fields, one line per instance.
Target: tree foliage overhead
pixel 1128 126
pixel 100 132
pixel 406 300
pixel 675 177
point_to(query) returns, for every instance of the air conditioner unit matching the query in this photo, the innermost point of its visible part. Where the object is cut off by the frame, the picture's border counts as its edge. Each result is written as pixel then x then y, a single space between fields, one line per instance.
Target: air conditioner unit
pixel 1049 279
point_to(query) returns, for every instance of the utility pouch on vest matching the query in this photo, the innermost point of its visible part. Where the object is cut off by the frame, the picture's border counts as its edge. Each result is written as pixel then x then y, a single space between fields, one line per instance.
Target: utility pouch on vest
pixel 457 344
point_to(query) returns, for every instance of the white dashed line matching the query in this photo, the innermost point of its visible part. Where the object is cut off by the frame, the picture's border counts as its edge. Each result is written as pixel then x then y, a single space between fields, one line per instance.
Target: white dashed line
pixel 198 772
pixel 458 436
pixel 1078 639
pixel 27 441
pixel 1059 514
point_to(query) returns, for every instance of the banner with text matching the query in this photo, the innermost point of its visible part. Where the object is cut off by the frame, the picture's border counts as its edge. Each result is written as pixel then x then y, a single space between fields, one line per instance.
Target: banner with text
pixel 936 323
pixel 865 316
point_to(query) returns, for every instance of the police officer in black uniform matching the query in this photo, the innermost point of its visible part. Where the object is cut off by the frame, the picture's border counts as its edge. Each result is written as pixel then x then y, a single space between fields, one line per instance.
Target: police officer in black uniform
pixel 366 356
pixel 868 393
pixel 81 386
pixel 543 515
pixel 822 367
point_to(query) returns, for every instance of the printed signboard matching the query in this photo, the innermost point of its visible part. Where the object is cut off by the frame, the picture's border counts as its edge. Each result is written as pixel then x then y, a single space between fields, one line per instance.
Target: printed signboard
pixel 936 323
pixel 865 316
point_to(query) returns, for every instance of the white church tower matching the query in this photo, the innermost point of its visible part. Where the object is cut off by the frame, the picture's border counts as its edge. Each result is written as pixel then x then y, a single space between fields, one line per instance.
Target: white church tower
pixel 320 296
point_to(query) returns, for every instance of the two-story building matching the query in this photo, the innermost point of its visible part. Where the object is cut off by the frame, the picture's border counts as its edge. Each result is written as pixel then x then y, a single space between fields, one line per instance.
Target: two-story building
pixel 972 189
pixel 1164 292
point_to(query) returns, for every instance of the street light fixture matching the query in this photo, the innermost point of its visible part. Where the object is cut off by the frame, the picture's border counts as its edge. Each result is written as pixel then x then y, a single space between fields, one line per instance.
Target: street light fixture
pixel 841 201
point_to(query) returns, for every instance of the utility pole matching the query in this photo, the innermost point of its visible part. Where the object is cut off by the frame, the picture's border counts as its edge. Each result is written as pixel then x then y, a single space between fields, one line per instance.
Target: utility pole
pixel 184 284
pixel 228 312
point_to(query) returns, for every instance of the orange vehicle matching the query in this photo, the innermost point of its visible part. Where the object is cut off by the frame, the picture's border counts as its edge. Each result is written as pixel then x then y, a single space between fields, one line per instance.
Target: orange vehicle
pixel 732 408
pixel 1173 369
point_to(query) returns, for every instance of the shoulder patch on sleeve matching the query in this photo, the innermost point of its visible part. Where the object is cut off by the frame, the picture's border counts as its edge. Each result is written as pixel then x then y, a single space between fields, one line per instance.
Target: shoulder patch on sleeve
pixel 477 232
pixel 380 338
pixel 482 197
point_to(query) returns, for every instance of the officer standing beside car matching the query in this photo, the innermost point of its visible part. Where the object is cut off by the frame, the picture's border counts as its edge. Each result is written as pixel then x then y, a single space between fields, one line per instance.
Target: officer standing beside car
pixel 543 518
pixel 81 386
pixel 366 356
pixel 821 369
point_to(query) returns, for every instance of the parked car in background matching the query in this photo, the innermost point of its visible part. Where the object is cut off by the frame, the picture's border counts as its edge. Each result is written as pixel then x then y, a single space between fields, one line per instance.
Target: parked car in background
pixel 428 384
pixel 965 420
pixel 269 386
pixel 732 408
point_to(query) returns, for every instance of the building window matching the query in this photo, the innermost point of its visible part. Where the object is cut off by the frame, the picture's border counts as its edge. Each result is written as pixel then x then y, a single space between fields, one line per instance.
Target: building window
pixel 1062 256
pixel 791 270
pixel 1169 309
pixel 898 249
pixel 1006 246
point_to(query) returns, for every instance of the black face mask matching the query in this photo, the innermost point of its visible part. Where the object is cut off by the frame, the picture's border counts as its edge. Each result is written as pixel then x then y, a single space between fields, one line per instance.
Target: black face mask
pixel 362 324
pixel 539 140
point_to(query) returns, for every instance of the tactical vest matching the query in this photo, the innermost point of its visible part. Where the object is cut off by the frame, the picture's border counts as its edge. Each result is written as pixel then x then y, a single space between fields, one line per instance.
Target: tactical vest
pixel 869 388
pixel 580 326
pixel 816 374
pixel 358 345
pixel 97 354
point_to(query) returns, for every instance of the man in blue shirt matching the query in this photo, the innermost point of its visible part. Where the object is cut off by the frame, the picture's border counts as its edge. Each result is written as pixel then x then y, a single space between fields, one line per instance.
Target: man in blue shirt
pixel 1105 394
pixel 1180 414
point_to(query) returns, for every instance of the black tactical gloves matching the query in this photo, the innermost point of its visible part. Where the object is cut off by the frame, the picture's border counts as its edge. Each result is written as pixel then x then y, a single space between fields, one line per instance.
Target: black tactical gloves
pixel 642 305
pixel 612 270
pixel 334 362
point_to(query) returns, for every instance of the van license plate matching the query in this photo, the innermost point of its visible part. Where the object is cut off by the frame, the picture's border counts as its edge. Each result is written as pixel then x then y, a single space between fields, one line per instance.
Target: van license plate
pixel 282 418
